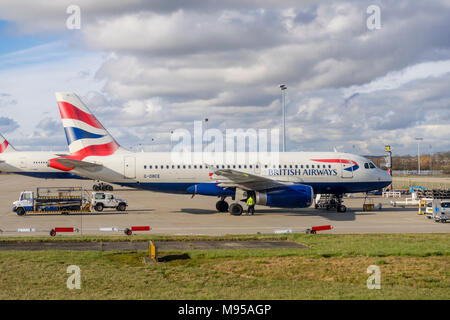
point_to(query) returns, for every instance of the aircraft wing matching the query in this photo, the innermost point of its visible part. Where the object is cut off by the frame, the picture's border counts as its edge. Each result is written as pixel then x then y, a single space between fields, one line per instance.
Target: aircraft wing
pixel 246 181
pixel 77 164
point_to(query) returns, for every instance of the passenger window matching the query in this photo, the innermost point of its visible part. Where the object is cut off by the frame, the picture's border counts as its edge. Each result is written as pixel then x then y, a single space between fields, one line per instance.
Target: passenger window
pixel 245 166
pixel 201 166
pixel 156 167
pixel 178 167
pixel 145 167
pixel 290 166
pixel 307 166
pixel 250 166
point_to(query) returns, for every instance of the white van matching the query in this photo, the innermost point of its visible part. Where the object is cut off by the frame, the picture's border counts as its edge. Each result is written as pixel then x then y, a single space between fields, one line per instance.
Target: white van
pixel 444 212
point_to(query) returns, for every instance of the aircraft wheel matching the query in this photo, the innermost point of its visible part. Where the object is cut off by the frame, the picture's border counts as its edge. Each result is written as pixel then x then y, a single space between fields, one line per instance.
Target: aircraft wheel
pixel 96 187
pixel 222 206
pixel 109 188
pixel 236 209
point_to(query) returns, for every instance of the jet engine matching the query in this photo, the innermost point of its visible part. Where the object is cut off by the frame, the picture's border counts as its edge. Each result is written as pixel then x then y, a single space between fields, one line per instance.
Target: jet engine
pixel 295 196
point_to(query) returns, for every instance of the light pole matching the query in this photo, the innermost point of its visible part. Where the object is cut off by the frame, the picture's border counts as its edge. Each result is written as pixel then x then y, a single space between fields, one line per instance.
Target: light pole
pixel 206 133
pixel 283 87
pixel 418 154
pixel 431 161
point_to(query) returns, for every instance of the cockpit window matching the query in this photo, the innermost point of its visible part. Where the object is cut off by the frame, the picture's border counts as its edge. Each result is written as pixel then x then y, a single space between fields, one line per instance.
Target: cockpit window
pixel 372 166
pixel 366 165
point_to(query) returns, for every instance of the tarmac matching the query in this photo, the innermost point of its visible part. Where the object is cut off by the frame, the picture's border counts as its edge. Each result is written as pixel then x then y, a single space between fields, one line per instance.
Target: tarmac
pixel 169 214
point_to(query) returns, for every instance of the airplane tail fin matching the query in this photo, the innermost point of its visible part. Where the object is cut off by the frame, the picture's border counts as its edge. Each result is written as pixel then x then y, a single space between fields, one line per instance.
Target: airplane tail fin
pixel 85 134
pixel 5 146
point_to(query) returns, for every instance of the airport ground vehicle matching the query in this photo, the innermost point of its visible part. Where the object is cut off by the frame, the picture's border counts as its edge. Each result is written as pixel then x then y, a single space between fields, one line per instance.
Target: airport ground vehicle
pixel 444 212
pixel 329 201
pixel 53 200
pixel 101 200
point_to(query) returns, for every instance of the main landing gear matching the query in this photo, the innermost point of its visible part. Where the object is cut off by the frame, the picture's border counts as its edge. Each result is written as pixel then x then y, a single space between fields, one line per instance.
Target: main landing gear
pixel 102 187
pixel 330 201
pixel 235 209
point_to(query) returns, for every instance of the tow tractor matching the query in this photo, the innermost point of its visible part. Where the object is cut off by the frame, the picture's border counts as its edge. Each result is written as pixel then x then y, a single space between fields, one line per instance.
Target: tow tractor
pixel 329 201
pixel 53 200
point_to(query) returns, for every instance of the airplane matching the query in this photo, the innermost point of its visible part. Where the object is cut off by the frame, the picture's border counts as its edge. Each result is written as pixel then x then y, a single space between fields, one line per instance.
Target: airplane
pixel 35 164
pixel 30 163
pixel 291 183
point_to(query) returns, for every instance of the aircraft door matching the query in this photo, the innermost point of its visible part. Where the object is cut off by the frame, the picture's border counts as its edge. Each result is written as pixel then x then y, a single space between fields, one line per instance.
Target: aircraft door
pixel 346 168
pixel 23 163
pixel 130 167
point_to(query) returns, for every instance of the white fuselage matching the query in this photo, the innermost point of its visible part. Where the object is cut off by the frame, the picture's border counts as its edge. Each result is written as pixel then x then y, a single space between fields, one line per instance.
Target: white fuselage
pixel 164 172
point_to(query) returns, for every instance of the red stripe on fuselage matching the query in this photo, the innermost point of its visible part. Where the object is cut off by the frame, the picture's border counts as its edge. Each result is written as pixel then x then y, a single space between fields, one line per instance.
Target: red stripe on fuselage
pixel 335 161
pixel 69 111
pixel 95 150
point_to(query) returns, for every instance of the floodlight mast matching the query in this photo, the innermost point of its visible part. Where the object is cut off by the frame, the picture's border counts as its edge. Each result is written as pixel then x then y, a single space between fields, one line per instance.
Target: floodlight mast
pixel 283 87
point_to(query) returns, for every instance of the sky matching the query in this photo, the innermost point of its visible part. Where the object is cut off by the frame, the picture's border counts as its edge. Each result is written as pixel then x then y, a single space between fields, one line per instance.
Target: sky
pixel 147 68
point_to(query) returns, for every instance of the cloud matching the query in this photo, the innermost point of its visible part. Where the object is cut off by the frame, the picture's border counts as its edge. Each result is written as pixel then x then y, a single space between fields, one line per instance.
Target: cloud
pixel 7 125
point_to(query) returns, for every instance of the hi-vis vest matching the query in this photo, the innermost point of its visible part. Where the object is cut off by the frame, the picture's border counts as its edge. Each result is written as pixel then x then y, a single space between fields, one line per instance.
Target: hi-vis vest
pixel 250 201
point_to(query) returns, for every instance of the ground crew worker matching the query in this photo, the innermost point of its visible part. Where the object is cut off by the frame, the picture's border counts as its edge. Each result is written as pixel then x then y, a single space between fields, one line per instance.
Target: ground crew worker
pixel 251 205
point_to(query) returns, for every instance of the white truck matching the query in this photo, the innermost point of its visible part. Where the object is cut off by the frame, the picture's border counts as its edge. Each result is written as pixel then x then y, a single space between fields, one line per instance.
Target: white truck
pixel 101 200
pixel 51 200
pixel 443 214
pixel 438 210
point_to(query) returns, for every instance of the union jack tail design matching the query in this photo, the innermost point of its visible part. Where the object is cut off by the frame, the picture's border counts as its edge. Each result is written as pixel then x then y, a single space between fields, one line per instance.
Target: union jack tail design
pixel 85 134
pixel 5 146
